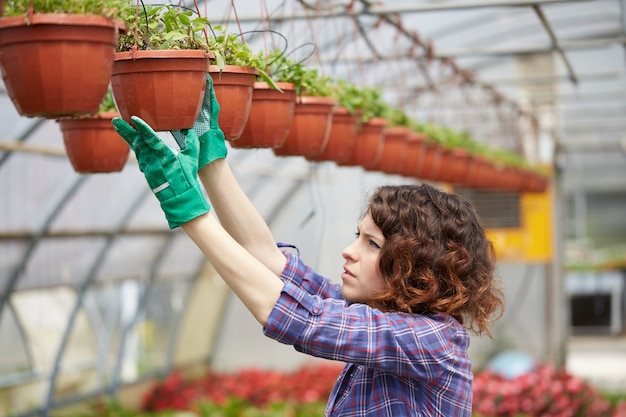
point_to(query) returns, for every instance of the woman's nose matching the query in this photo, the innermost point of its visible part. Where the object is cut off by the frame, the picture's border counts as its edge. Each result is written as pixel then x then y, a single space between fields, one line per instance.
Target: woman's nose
pixel 348 252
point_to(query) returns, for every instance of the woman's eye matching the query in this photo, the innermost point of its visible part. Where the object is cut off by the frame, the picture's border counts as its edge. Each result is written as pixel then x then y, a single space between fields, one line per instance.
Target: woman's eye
pixel 357 234
pixel 374 244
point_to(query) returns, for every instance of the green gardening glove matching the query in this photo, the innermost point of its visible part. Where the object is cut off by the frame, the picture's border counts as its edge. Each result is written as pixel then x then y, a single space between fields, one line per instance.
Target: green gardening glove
pixel 207 129
pixel 172 175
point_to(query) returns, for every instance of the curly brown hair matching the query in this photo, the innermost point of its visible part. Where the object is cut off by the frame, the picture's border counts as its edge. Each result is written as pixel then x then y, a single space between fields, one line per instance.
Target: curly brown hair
pixel 436 257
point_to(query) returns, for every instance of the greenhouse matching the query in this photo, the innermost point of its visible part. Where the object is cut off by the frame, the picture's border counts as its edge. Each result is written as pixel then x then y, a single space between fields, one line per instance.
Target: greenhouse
pixel 110 308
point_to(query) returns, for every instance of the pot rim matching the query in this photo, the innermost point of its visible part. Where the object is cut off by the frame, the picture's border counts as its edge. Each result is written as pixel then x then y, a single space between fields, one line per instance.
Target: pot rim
pixel 61 19
pixel 234 68
pixel 161 53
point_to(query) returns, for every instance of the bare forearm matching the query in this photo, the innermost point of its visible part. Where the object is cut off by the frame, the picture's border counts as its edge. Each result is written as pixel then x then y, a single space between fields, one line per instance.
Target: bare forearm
pixel 238 215
pixel 256 285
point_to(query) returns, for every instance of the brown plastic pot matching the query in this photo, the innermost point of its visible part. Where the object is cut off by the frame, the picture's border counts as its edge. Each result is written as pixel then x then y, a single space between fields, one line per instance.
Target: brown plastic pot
pixel 233 86
pixel 163 87
pixel 270 116
pixel 368 144
pixel 393 153
pixel 429 169
pixel 92 145
pixel 57 65
pixel 455 165
pixel 310 127
pixel 341 137
pixel 414 154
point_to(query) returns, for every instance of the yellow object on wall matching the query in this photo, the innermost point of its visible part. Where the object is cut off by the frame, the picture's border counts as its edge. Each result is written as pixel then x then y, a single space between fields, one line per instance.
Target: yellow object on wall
pixel 533 241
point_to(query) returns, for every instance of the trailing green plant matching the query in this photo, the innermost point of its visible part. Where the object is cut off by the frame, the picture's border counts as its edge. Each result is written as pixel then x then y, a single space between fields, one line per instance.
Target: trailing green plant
pixel 396 117
pixel 231 49
pixel 307 81
pixel 371 101
pixel 107 8
pixel 108 102
pixel 162 27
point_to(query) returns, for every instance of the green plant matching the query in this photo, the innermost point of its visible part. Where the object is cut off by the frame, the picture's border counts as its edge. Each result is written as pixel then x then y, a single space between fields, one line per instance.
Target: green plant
pixel 396 117
pixel 108 103
pixel 307 81
pixel 162 27
pixel 108 8
pixel 231 49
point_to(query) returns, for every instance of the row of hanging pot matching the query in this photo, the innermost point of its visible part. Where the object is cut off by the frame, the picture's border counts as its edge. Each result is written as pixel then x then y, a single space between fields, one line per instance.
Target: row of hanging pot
pixel 108 63
pixel 318 129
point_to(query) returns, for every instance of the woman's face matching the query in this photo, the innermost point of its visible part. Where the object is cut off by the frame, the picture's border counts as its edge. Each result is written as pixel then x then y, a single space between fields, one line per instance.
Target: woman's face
pixel 361 275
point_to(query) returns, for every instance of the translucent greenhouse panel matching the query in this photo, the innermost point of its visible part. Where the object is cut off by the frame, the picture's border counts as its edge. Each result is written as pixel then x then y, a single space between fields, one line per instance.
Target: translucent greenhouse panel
pixel 15 362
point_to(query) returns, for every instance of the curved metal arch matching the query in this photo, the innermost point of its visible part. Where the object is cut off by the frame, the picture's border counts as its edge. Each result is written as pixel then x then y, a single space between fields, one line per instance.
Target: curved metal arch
pixel 155 264
pixel 22 138
pixel 57 205
pixel 48 401
pixel 20 328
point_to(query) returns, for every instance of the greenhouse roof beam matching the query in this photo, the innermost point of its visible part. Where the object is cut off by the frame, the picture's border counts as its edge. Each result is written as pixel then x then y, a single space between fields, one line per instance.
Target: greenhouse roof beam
pixel 583 44
pixel 555 43
pixel 403 9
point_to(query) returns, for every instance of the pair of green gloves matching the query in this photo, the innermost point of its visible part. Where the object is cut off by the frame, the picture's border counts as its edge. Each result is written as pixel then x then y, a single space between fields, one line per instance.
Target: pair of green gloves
pixel 173 174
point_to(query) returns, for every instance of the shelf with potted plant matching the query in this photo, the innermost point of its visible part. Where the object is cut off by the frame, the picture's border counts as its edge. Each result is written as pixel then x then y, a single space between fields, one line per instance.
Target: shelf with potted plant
pixel 92 145
pixel 310 127
pixel 160 66
pixel 272 107
pixel 56 56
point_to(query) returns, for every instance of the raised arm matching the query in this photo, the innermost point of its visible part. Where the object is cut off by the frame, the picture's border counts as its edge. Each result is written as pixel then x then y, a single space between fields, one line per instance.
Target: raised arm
pixel 173 177
pixel 256 285
pixel 236 212
pixel 239 216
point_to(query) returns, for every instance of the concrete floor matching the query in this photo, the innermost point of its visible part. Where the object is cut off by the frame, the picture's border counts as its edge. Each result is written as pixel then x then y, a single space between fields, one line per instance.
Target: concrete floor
pixel 601 360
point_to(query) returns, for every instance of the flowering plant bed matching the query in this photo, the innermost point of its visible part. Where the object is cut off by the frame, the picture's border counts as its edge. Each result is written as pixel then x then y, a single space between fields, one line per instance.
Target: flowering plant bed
pixel 546 391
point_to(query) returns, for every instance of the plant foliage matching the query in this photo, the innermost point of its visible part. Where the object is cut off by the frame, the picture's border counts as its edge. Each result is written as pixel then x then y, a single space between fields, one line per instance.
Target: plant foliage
pixel 108 8
pixel 162 27
pixel 231 49
pixel 307 81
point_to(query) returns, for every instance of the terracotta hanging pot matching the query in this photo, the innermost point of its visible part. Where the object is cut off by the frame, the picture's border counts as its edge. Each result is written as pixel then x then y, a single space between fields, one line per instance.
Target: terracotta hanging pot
pixel 394 150
pixel 534 182
pixel 233 86
pixel 455 165
pixel 368 144
pixel 163 87
pixel 429 169
pixel 310 127
pixel 57 65
pixel 92 145
pixel 479 173
pixel 341 137
pixel 414 154
pixel 270 116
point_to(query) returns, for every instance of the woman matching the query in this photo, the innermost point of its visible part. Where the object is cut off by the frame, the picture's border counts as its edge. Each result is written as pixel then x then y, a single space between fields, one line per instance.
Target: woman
pixel 419 270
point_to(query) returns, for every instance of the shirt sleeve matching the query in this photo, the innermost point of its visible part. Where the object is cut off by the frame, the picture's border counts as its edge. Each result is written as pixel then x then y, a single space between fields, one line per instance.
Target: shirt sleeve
pixel 415 346
pixel 304 277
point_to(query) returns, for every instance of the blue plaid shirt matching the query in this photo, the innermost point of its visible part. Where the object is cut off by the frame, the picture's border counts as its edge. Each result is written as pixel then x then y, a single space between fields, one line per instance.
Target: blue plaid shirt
pixel 397 364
